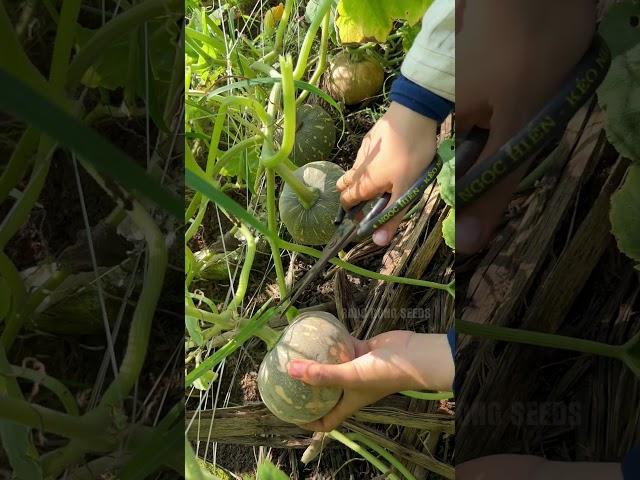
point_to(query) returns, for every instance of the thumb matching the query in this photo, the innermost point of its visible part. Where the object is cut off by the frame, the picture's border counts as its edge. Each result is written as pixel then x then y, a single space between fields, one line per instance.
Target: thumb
pixel 322 374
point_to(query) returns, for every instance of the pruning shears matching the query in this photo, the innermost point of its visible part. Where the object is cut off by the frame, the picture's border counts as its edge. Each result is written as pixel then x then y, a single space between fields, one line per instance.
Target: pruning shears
pixel 549 123
pixel 355 224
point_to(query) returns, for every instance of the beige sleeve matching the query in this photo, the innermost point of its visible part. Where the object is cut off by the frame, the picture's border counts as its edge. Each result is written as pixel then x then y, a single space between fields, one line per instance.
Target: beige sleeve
pixel 431 60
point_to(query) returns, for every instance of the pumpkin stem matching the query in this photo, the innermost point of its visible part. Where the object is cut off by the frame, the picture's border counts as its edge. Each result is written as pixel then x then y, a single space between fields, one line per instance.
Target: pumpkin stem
pixel 268 335
pixel 307 195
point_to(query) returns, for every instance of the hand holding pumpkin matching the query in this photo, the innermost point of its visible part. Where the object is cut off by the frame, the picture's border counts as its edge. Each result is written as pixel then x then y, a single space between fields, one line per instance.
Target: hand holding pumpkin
pixel 388 363
pixel 393 154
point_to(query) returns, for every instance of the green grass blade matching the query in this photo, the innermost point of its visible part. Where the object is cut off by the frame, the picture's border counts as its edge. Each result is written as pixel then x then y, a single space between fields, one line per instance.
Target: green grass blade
pixel 33 108
pixel 270 81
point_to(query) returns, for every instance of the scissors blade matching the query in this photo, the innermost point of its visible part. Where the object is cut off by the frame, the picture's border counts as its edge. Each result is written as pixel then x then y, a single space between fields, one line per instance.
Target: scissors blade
pixel 343 235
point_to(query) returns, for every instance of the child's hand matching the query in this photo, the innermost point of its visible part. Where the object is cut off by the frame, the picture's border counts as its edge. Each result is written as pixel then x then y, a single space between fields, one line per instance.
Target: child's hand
pixel 393 154
pixel 388 363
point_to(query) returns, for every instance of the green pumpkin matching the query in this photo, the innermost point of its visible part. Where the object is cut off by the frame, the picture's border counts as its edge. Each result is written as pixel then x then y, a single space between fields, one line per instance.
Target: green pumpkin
pixel 315 336
pixel 315 135
pixel 313 226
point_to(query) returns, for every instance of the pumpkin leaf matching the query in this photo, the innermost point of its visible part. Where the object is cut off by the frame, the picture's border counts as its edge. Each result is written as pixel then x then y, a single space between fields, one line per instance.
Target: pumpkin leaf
pixel 206 379
pixel 621 26
pixel 447 175
pixel 619 96
pixel 409 33
pixel 195 332
pixel 107 71
pixel 449 229
pixel 244 167
pixel 625 214
pixel 360 21
pixel 268 471
pixel 447 149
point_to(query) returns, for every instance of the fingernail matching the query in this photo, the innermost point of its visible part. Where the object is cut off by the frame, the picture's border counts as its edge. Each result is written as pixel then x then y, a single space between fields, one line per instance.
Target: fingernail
pixel 381 237
pixel 296 369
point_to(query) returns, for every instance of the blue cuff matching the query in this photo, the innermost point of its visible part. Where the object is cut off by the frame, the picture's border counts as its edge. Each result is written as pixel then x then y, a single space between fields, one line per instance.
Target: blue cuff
pixel 631 464
pixel 419 99
pixel 451 336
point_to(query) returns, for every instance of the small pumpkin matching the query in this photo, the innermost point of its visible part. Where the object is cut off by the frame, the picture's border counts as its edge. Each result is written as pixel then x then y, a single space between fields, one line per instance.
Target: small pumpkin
pixel 315 336
pixel 211 265
pixel 352 78
pixel 315 135
pixel 312 226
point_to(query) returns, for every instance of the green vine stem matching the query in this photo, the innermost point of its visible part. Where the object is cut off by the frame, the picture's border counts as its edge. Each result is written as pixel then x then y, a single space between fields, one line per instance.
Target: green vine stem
pixel 307 42
pixel 243 281
pixel 286 91
pixel 217 337
pixel 88 429
pixel 450 287
pixel 272 225
pixel 358 437
pixel 223 320
pixel 306 195
pixel 11 276
pixel 539 339
pixel 142 319
pixel 272 222
pixel 54 385
pixel 364 453
pixel 321 62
